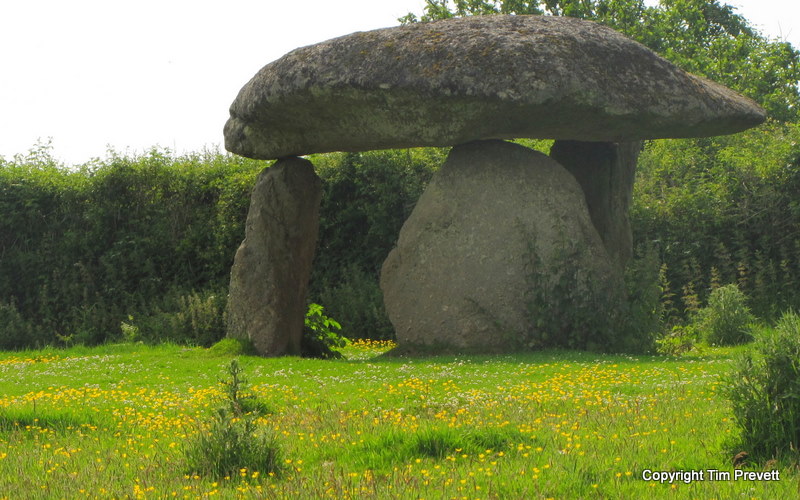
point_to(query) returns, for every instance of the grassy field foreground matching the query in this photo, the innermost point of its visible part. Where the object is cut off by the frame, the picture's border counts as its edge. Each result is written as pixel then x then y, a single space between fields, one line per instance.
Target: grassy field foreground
pixel 112 422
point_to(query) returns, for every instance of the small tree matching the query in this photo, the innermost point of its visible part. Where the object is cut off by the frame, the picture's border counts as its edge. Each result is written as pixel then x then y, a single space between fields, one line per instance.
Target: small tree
pixel 233 441
pixel 321 335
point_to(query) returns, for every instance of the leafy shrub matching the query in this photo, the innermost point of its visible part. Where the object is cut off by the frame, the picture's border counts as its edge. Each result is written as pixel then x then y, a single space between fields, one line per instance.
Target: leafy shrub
pixel 366 199
pixel 86 247
pixel 765 391
pixel 321 335
pixel 725 209
pixel 726 320
pixel 233 441
pixel 202 317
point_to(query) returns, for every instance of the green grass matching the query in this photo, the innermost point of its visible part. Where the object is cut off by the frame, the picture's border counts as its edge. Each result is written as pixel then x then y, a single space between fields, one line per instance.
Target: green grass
pixel 113 422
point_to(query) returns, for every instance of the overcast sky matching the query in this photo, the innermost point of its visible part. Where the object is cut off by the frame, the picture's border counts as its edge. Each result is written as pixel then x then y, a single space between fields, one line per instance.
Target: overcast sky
pixel 132 74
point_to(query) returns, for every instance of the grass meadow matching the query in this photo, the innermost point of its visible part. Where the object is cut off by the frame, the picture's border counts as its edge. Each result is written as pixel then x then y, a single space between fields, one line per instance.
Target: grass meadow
pixel 114 421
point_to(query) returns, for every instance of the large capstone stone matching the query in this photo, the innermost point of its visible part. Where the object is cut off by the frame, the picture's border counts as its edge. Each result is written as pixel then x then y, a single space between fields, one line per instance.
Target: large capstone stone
pixel 484 77
pixel 499 229
pixel 605 172
pixel 272 266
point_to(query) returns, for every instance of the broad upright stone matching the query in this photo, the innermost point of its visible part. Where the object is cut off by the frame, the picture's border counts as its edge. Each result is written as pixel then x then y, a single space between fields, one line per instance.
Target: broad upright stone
pixel 496 222
pixel 606 173
pixel 269 278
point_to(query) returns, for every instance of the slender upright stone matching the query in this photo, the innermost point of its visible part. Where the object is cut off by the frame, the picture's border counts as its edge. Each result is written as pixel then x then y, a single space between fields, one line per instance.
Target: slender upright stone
pixel 605 172
pixel 269 278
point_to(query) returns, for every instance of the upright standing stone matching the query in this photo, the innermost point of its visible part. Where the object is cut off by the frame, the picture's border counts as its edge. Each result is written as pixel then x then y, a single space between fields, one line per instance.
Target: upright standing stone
pixel 605 172
pixel 270 273
pixel 496 222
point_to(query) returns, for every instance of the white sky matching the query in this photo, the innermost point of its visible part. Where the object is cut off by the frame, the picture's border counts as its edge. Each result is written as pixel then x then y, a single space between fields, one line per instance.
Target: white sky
pixel 132 74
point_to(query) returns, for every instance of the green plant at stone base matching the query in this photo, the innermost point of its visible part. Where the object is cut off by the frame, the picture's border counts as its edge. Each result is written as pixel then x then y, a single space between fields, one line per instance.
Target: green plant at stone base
pixel 320 335
pixel 579 309
pixel 573 308
pixel 233 441
pixel 202 315
pixel 233 347
pixel 726 320
pixel 765 391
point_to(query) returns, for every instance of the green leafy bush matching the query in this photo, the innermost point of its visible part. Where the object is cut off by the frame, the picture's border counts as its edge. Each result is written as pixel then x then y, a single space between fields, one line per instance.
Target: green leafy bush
pixel 726 320
pixel 583 312
pixel 725 210
pixel 765 391
pixel 366 199
pixel 321 335
pixel 84 248
pixel 233 440
pixel 130 332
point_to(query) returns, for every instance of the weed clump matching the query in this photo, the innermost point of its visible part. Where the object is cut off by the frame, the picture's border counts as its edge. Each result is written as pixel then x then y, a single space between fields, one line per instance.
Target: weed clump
pixel 726 320
pixel 765 391
pixel 233 441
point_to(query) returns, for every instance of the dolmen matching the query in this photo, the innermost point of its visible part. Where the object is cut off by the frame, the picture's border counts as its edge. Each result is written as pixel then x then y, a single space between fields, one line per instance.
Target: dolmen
pixel 484 257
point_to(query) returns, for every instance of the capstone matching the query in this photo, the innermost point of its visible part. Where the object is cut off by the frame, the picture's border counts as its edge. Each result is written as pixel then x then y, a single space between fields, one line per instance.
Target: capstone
pixel 483 77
